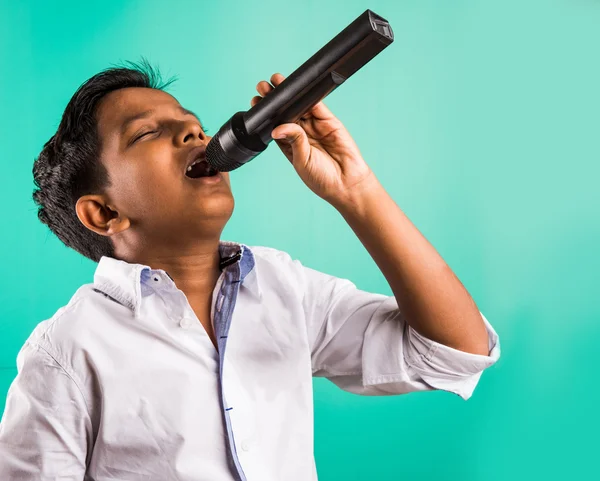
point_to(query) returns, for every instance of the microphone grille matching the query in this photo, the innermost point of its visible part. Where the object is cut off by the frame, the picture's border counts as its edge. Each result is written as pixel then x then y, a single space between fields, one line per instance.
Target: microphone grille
pixel 215 156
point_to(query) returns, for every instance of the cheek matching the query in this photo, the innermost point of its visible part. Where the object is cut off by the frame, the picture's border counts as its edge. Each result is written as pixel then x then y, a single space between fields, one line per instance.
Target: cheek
pixel 148 188
pixel 155 180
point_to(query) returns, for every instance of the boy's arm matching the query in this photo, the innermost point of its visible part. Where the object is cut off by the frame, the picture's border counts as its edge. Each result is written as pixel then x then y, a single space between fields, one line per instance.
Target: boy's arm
pixel 45 428
pixel 328 161
pixel 433 300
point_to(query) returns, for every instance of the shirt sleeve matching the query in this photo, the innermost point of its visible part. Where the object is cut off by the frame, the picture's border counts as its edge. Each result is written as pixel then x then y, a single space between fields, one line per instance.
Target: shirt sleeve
pixel 362 343
pixel 45 428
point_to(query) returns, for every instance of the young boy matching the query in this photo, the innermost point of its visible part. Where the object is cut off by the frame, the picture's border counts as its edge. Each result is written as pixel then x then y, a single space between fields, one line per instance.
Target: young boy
pixel 191 358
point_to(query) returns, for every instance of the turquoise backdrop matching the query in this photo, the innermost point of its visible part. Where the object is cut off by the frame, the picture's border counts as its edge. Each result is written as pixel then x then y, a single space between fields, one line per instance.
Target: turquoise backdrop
pixel 482 120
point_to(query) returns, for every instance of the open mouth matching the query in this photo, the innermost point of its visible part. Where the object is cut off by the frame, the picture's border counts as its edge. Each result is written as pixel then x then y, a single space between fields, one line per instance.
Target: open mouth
pixel 200 168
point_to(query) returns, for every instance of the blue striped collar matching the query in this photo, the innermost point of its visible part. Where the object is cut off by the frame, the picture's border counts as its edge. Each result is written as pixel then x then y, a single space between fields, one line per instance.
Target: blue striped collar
pixel 124 281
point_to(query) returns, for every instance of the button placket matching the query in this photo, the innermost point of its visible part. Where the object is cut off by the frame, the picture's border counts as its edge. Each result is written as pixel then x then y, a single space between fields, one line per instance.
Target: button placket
pixel 240 409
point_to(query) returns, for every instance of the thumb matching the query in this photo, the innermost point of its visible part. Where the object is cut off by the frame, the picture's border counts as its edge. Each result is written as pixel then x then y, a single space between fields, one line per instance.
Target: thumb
pixel 296 138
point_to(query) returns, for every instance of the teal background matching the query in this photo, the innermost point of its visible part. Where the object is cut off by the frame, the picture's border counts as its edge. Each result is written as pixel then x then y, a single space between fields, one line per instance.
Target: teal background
pixel 481 120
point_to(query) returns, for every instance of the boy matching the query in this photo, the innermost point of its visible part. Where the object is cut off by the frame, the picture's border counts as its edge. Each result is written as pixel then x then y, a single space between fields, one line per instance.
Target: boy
pixel 192 358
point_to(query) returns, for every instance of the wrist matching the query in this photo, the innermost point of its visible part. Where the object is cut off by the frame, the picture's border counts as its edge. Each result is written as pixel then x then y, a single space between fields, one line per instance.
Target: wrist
pixel 358 198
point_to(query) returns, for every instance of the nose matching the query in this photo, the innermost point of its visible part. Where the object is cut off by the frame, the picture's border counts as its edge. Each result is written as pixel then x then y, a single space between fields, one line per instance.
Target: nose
pixel 189 131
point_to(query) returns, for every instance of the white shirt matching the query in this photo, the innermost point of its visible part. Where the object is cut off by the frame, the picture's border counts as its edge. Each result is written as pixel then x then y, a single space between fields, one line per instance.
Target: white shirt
pixel 123 383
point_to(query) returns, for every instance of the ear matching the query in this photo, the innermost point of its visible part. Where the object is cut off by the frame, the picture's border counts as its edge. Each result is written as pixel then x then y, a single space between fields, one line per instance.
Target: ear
pixel 98 216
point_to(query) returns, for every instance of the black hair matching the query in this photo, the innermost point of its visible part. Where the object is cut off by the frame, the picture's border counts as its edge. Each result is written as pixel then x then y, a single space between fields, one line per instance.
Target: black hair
pixel 69 164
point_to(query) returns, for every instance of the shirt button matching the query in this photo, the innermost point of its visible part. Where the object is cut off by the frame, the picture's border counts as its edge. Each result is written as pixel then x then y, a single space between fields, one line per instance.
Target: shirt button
pixel 186 322
pixel 245 446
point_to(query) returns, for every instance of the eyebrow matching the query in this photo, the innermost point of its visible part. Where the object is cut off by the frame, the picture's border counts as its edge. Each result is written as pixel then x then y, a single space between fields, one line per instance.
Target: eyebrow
pixel 148 113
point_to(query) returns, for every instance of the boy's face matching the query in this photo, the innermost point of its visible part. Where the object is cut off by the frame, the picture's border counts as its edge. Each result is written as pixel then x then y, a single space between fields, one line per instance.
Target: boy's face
pixel 149 185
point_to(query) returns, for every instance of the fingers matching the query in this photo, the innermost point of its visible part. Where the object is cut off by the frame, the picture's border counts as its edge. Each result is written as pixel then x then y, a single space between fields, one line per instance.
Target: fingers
pixel 293 136
pixel 263 87
pixel 276 79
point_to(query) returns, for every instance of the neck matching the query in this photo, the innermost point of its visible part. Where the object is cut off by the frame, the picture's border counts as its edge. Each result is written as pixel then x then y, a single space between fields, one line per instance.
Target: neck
pixel 194 270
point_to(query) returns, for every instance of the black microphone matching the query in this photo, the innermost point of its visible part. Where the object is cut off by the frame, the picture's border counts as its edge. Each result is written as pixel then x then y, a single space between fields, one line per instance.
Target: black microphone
pixel 246 134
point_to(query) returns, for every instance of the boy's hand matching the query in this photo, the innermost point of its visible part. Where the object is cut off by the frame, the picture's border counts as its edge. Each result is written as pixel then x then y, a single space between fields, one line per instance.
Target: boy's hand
pixel 321 150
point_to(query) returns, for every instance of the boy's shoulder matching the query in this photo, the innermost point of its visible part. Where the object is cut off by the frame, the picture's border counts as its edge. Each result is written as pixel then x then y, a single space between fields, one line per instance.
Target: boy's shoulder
pixel 269 253
pixel 72 321
pixel 275 266
pixel 273 258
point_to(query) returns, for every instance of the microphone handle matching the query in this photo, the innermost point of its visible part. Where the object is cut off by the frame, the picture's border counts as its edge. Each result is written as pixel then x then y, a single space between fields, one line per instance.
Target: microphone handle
pixel 320 75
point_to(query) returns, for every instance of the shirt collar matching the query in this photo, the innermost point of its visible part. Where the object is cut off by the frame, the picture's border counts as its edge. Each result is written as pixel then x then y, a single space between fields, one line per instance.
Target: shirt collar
pixel 125 282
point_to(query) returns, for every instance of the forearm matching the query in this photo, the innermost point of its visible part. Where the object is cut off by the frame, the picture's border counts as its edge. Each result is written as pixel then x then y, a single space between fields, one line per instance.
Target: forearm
pixel 432 299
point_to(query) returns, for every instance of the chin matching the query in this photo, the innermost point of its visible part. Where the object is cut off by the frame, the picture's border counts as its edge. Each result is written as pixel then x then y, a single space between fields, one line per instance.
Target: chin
pixel 217 206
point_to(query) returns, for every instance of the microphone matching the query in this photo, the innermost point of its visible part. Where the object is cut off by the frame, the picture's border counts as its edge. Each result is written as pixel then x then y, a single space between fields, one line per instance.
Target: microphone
pixel 246 134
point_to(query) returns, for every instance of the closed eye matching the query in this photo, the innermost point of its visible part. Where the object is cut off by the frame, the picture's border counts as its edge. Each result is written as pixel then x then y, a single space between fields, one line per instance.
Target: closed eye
pixel 205 130
pixel 142 135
